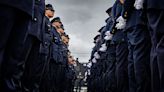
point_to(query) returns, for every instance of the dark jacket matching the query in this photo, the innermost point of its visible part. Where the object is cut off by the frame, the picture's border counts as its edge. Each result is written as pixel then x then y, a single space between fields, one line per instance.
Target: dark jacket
pixel 155 4
pixel 57 48
pixel 24 5
pixel 39 23
pixel 44 35
pixel 118 36
pixel 134 17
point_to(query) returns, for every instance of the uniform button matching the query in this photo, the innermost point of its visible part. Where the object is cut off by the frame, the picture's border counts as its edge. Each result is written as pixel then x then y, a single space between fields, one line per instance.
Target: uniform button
pixel 125 15
pixel 45 43
pixel 55 38
pixel 113 31
pixel 35 19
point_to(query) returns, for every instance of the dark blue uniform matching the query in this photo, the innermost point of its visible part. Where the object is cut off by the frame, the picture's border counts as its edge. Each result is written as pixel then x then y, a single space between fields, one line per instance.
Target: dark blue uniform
pixel 14 22
pixel 44 57
pixel 139 48
pixel 38 47
pixel 88 80
pixel 64 68
pixel 154 4
pixel 155 10
pixel 95 77
pixel 98 75
pixel 90 77
pixel 107 78
pixel 26 7
pixel 101 63
pixel 58 63
pixel 121 51
pixel 95 71
pixel 70 78
pixel 110 77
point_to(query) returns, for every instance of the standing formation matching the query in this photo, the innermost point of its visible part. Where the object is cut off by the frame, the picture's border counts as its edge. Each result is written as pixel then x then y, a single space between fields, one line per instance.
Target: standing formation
pixel 34 55
pixel 129 49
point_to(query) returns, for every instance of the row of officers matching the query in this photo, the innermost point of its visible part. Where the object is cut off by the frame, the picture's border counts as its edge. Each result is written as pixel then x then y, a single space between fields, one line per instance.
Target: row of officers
pixel 34 55
pixel 128 55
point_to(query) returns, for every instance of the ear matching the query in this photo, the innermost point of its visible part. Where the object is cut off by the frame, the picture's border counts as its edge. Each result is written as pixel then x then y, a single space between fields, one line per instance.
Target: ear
pixel 122 1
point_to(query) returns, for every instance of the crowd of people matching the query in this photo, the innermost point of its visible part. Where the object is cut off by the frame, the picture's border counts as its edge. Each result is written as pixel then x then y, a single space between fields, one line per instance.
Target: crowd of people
pixel 34 54
pixel 129 50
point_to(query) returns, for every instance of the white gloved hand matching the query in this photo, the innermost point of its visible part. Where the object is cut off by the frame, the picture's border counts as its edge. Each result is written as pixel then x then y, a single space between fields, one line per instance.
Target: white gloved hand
pixel 119 19
pixel 89 65
pixel 103 48
pixel 94 60
pixel 121 23
pixel 107 38
pixel 138 4
pixel 107 33
pixel 89 72
pixel 96 55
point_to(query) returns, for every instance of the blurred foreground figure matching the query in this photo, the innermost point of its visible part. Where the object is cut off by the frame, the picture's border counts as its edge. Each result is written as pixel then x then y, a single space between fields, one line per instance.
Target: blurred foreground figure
pixel 155 15
pixel 37 45
pixel 14 22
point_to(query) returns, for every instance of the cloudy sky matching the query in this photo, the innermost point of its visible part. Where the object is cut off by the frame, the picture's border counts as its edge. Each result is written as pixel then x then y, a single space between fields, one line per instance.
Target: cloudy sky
pixel 82 19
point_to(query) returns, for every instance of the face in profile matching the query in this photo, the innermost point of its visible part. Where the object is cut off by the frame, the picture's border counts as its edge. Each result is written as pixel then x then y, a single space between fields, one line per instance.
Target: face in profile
pixel 50 13
pixel 71 60
pixel 65 40
pixel 56 24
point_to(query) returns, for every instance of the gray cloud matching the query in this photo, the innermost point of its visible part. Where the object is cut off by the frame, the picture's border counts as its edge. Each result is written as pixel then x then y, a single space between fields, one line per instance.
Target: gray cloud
pixel 82 19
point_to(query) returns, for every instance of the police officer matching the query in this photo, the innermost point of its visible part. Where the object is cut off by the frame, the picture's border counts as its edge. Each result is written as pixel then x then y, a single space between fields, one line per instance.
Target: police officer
pixel 110 61
pixel 65 39
pixel 14 21
pixel 95 69
pixel 139 47
pixel 69 70
pixel 70 74
pixel 155 17
pixel 59 59
pixel 37 46
pixel 90 69
pixel 56 22
pixel 46 49
pixel 98 67
pixel 121 47
pixel 98 62
pixel 106 53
